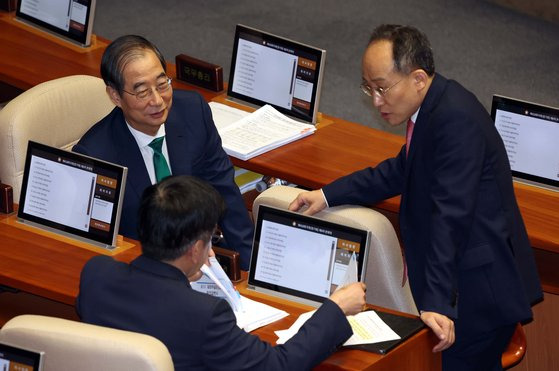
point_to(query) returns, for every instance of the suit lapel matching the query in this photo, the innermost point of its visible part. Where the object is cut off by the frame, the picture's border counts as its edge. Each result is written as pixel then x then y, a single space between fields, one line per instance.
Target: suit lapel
pixel 429 103
pixel 177 146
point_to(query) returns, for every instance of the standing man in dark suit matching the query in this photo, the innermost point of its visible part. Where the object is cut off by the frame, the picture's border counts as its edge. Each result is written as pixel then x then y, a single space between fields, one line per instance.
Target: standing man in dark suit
pixel 152 294
pixel 156 132
pixel 470 264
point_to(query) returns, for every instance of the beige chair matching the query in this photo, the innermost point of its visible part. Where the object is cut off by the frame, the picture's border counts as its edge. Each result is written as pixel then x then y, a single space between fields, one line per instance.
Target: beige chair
pixel 71 345
pixel 56 113
pixel 384 266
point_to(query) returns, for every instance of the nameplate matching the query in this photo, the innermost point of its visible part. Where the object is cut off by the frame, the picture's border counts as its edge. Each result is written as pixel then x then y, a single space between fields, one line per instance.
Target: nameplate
pixel 230 262
pixel 199 73
pixel 6 199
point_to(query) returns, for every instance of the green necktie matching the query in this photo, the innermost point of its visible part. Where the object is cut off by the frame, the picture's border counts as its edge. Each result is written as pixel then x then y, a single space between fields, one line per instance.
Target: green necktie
pixel 159 163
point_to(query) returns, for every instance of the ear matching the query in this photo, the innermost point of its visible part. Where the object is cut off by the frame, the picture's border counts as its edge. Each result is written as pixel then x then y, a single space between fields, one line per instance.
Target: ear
pixel 114 96
pixel 196 252
pixel 420 79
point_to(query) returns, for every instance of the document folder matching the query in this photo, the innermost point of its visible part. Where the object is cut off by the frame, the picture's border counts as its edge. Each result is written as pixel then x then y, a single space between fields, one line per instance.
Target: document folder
pixel 403 326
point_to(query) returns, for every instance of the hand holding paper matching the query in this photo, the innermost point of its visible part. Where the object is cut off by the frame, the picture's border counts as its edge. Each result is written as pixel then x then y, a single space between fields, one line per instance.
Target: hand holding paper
pixel 250 314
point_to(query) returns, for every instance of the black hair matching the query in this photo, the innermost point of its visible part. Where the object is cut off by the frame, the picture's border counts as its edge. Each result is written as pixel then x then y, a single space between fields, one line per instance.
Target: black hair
pixel 410 47
pixel 175 213
pixel 119 53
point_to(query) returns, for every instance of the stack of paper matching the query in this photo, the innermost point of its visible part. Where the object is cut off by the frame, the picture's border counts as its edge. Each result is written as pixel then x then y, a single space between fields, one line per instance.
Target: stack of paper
pixel 246 180
pixel 261 131
pixel 250 314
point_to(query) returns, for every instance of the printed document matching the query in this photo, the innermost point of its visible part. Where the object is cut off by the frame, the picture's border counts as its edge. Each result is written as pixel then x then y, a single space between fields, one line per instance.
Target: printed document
pixel 261 131
pixel 368 328
pixel 250 314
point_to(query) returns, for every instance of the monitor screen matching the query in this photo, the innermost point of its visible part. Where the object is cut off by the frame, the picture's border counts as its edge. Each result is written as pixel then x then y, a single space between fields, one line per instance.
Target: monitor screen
pixel 268 69
pixel 71 193
pixel 17 358
pixel 303 258
pixel 70 19
pixel 530 133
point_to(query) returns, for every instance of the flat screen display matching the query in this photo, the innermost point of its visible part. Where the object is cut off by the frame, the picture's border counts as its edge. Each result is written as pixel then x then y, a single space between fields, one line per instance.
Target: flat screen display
pixel 302 257
pixel 14 358
pixel 71 193
pixel 268 69
pixel 70 19
pixel 530 133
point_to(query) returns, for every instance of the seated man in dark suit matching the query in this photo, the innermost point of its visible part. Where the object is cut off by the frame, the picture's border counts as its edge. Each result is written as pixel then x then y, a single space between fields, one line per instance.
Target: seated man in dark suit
pixel 155 132
pixel 152 295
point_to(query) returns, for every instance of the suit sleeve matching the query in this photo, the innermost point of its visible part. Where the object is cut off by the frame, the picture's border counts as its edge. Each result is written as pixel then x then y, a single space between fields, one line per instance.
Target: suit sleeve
pixel 226 347
pixel 369 185
pixel 217 169
pixel 458 161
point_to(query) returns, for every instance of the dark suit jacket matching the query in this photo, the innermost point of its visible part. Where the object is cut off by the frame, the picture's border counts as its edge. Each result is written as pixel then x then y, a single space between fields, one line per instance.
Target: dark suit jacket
pixel 200 331
pixel 194 148
pixel 465 243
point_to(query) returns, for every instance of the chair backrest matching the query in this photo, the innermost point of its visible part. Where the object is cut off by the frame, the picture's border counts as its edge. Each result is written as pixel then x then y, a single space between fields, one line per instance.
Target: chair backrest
pixel 384 266
pixel 516 349
pixel 56 113
pixel 71 345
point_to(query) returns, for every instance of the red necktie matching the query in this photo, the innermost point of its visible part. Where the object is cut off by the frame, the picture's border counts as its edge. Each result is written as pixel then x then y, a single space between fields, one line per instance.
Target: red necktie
pixel 409 132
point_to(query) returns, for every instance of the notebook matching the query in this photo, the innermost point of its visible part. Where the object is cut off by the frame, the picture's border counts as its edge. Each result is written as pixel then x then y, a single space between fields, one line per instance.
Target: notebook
pixel 14 357
pixel 72 194
pixel 303 258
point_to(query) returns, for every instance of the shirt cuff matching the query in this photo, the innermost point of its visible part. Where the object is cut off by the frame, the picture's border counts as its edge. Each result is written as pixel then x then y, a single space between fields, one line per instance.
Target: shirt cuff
pixel 323 196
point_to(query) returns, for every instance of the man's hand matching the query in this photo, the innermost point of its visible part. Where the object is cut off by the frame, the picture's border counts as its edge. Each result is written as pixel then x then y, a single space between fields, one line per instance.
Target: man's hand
pixel 351 298
pixel 313 199
pixel 442 326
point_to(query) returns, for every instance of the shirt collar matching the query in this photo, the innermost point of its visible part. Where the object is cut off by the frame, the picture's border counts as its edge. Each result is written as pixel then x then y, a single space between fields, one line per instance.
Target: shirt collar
pixel 414 116
pixel 143 139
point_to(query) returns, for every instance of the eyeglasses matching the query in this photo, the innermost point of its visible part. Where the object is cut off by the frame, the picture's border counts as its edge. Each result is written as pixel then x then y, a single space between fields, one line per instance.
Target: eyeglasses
pixel 161 88
pixel 217 236
pixel 380 92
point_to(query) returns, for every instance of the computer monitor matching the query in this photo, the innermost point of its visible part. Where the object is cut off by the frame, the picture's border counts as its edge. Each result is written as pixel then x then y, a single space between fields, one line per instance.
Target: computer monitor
pixel 13 357
pixel 269 69
pixel 530 133
pixel 69 19
pixel 303 258
pixel 72 194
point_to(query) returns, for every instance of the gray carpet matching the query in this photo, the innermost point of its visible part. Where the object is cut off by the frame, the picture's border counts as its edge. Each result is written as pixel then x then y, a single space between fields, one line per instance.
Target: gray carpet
pixel 487 48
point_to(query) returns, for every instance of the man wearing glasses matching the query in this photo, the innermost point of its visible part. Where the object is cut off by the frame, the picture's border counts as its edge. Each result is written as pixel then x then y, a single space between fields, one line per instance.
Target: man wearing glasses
pixel 156 132
pixel 470 264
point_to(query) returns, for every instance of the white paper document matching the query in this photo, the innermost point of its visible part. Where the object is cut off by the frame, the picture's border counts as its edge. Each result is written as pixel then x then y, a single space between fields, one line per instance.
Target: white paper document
pixel 368 328
pixel 261 131
pixel 250 314
pixel 256 314
pixel 350 275
pixel 224 115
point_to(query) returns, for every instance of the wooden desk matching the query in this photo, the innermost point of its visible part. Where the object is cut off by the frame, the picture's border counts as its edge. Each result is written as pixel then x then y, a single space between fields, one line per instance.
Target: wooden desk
pixel 50 268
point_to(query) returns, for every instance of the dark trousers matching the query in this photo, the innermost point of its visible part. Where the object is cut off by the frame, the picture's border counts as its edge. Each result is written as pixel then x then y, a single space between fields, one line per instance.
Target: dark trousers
pixel 478 352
